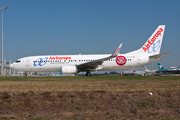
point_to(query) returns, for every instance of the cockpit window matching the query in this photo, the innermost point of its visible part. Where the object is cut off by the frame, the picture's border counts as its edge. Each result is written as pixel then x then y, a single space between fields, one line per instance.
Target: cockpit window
pixel 17 61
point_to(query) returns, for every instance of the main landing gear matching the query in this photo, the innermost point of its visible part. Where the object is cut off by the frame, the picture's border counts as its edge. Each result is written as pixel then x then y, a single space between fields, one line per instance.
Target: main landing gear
pixel 25 74
pixel 88 73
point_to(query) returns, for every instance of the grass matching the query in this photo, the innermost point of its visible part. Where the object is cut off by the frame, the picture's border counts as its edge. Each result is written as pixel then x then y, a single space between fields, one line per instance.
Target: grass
pixel 78 108
pixel 145 103
pixel 9 78
pixel 93 83
pixel 92 97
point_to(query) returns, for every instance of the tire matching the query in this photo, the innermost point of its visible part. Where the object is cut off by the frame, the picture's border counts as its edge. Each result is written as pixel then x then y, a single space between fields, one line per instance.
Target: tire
pixel 88 74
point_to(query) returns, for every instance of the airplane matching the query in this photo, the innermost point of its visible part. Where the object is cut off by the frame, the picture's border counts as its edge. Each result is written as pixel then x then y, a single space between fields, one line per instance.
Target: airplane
pixel 73 64
pixel 132 72
pixel 60 74
pixel 172 70
pixel 127 73
pixel 149 71
pixel 142 73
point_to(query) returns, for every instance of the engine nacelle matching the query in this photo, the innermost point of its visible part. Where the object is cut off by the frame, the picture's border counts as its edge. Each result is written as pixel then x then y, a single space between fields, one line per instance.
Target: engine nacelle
pixel 69 70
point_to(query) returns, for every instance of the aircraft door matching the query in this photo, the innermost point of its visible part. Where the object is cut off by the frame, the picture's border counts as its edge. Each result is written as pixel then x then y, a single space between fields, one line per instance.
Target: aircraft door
pixel 138 60
pixel 27 62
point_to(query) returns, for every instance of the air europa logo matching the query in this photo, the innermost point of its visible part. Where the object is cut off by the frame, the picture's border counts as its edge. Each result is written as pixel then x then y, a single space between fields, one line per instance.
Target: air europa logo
pixel 152 40
pixel 121 60
pixel 155 47
pixel 40 61
pixel 59 58
pixel 43 61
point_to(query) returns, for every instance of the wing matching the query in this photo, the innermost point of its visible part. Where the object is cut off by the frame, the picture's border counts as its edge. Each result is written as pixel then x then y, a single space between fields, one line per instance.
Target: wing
pixel 94 64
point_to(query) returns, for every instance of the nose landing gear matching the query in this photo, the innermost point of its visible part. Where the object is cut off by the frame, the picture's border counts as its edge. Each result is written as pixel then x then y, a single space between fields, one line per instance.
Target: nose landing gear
pixel 88 73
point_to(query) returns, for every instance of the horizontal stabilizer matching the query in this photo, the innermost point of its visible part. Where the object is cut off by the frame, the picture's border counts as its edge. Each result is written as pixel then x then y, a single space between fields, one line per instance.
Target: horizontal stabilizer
pixel 160 55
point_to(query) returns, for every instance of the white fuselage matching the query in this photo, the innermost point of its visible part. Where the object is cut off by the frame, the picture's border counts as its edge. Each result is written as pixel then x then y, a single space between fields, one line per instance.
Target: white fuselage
pixel 55 62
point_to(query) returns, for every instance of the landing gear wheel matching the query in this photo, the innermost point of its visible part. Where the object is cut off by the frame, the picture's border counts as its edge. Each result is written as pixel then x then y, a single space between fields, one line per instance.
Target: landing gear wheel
pixel 88 74
pixel 25 74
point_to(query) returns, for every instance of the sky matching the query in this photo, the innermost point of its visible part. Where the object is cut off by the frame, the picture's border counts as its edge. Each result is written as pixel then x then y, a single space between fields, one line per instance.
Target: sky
pixel 88 27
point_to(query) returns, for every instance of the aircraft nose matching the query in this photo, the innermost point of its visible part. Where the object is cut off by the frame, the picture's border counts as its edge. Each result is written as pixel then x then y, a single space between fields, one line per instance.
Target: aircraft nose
pixel 12 66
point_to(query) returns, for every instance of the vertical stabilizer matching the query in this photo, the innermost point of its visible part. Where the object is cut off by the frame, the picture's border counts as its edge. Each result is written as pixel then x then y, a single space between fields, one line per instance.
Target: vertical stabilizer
pixel 153 44
pixel 133 70
pixel 160 67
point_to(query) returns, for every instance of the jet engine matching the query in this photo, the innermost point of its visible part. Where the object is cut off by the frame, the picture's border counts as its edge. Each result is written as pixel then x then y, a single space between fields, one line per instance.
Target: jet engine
pixel 69 70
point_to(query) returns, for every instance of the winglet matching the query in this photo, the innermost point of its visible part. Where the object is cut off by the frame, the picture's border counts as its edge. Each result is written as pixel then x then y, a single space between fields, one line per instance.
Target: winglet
pixel 144 68
pixel 117 50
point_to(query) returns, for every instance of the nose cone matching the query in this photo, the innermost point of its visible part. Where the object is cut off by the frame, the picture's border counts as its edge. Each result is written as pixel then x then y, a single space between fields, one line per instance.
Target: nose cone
pixel 12 66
